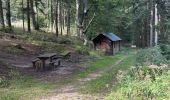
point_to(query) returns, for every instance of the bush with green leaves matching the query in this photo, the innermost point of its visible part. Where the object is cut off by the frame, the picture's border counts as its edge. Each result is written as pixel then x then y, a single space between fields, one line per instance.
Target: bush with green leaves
pixel 42 22
pixel 143 83
pixel 165 50
pixel 150 56
pixel 83 50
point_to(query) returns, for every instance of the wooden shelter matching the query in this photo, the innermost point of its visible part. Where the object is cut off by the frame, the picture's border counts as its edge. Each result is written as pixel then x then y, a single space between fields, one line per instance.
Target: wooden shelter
pixel 108 43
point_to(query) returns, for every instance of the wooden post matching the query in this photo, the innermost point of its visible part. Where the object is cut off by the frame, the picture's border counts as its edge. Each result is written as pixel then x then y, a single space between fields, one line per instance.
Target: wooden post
pixel 43 65
pixel 119 45
pixel 112 47
pixel 51 59
pixel 94 46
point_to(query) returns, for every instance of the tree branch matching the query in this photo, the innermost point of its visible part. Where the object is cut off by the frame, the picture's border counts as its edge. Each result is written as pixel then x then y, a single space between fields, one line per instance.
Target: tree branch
pixel 85 30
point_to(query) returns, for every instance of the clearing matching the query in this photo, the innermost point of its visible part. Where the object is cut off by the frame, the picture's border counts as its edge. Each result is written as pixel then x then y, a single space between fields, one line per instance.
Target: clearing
pixel 80 77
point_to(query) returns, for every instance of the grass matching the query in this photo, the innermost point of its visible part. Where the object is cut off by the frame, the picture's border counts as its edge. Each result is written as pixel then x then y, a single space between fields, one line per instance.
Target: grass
pixel 24 88
pixel 14 86
pixel 49 42
pixel 100 64
pixel 103 83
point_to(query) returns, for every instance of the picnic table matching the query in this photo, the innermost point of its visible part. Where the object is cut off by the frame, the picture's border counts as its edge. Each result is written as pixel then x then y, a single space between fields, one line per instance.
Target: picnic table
pixel 44 57
pixel 54 60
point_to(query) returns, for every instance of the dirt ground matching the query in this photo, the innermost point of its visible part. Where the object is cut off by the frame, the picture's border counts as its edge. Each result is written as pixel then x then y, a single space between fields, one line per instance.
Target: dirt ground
pixel 23 61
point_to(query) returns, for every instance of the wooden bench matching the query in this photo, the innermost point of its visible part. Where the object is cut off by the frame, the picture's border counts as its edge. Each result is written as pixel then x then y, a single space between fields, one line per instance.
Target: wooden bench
pixel 34 62
pixel 67 55
pixel 55 63
pixel 37 64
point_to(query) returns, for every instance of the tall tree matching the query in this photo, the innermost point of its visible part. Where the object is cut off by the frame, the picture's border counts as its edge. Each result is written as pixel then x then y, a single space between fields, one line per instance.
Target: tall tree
pixel 8 14
pixel 68 17
pixel 78 24
pixel 60 17
pixel 2 24
pixel 35 24
pixel 151 22
pixel 52 14
pixel 23 16
pixel 56 18
pixel 81 19
pixel 28 16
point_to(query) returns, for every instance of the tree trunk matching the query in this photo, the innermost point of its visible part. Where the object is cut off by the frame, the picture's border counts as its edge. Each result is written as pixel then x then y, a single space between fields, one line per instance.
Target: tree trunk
pixel 151 23
pixel 68 18
pixel 37 23
pixel 23 17
pixel 8 14
pixel 52 16
pixel 63 16
pixel 156 23
pixel 2 24
pixel 60 17
pixel 28 16
pixel 78 25
pixel 34 23
pixel 56 18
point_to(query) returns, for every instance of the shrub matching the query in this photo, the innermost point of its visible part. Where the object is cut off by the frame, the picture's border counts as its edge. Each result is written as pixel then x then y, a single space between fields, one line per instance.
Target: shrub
pixel 165 50
pixel 143 83
pixel 82 50
pixel 150 56
pixel 64 40
pixel 7 30
pixel 42 22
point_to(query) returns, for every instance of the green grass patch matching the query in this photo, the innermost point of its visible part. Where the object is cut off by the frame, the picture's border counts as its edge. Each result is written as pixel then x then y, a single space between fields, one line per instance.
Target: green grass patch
pixel 24 88
pixel 100 64
pixel 108 79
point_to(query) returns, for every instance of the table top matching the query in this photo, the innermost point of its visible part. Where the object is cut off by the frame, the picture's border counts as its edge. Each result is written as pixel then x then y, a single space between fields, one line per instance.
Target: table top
pixel 48 55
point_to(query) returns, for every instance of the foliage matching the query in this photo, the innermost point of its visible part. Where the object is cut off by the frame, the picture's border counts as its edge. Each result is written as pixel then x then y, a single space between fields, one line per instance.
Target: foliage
pixel 165 50
pixel 82 50
pixel 151 82
pixel 7 30
pixel 111 17
pixel 150 56
pixel 42 21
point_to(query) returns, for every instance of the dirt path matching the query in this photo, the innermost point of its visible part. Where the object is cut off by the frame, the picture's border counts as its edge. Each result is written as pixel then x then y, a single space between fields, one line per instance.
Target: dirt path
pixel 70 92
pixel 99 73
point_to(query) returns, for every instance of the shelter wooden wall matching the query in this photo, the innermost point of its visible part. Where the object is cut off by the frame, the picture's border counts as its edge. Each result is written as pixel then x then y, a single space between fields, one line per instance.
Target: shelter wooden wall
pixel 107 46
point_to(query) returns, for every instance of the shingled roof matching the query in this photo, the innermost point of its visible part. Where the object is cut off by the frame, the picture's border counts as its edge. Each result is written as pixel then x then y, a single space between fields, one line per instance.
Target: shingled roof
pixel 110 36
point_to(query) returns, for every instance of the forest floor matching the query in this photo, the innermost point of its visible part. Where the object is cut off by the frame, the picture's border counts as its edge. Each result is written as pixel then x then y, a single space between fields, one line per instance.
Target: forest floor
pixel 80 78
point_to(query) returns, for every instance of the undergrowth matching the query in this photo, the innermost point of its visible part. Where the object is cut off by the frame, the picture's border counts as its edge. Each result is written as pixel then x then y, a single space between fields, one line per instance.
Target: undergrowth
pixel 148 80
pixel 143 83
